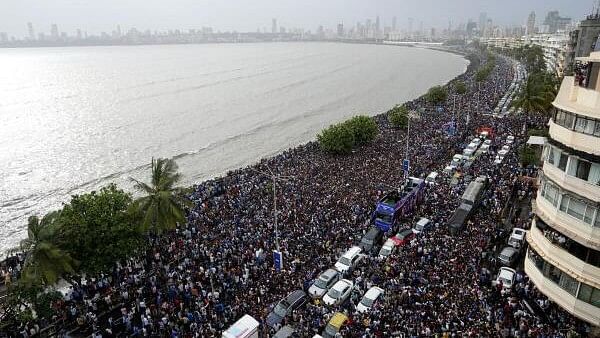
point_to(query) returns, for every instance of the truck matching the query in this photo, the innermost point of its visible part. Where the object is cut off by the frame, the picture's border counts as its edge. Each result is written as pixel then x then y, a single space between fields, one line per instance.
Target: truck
pixel 468 204
pixel 398 203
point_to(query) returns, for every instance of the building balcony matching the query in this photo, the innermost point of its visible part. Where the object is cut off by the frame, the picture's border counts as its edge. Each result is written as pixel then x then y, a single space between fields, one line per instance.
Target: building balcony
pixel 583 233
pixel 577 99
pixel 576 140
pixel 572 183
pixel 559 257
pixel 567 301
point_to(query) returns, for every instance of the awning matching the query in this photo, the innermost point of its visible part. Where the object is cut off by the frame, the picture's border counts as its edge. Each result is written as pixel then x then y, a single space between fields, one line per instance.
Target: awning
pixel 536 140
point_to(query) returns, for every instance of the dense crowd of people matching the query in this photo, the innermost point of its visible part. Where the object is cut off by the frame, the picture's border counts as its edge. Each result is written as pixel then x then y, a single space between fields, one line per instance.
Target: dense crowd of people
pixel 198 280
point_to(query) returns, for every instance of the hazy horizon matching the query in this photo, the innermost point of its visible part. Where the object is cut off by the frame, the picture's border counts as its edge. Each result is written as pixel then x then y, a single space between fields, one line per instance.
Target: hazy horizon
pixel 239 15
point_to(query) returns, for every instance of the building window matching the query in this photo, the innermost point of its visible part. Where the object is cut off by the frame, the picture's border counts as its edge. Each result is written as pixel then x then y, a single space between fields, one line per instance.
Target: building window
pixel 589 294
pixel 550 192
pixel 568 284
pixel 583 169
pixel 562 164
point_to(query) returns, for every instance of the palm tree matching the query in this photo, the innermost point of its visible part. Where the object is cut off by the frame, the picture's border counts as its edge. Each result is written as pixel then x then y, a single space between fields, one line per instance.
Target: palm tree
pixel 162 207
pixel 45 262
pixel 533 97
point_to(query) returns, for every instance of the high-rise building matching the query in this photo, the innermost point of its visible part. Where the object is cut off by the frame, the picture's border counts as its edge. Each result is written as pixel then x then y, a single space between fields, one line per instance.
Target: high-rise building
pixel 410 27
pixel 583 40
pixel 377 27
pixel 340 30
pixel 30 30
pixel 79 35
pixel 531 24
pixel 482 23
pixel 563 259
pixel 274 26
pixel 394 24
pixel 3 37
pixel 555 22
pixel 54 32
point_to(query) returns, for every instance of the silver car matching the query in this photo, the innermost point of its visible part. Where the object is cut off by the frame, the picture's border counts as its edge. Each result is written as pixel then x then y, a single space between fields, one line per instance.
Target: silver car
pixel 323 283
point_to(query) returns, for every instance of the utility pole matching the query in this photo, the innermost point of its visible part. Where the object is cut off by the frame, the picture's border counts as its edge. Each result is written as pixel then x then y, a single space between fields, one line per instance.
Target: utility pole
pixel 274 178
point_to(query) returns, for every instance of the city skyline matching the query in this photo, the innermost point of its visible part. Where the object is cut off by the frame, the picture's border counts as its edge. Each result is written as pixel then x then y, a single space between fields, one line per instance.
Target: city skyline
pixel 73 15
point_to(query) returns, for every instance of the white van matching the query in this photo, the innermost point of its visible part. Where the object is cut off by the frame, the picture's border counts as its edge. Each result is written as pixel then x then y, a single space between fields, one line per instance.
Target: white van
pixel 431 178
pixel 348 260
pixel 245 327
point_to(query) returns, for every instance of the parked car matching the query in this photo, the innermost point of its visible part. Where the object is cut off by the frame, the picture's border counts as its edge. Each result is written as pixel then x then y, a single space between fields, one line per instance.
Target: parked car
pixel 456 161
pixel 387 249
pixel 285 307
pixel 371 239
pixel 431 178
pixel 506 276
pixel 339 292
pixel 510 139
pixel 506 147
pixel 422 225
pixel 334 326
pixel 349 259
pixel 476 141
pixel 403 237
pixel 484 148
pixel 369 299
pixel 487 142
pixel 508 255
pixel 517 237
pixel 323 283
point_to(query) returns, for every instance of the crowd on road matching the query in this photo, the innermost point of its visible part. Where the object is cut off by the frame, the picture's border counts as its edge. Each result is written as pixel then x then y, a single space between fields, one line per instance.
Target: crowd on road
pixel 201 278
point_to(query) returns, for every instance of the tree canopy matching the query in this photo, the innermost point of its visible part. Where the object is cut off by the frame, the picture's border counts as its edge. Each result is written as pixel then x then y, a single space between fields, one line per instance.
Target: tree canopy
pixel 398 116
pixel 341 138
pixel 437 94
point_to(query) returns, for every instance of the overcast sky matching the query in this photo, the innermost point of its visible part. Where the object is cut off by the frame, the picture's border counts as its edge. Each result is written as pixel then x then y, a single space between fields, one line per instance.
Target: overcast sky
pixel 95 16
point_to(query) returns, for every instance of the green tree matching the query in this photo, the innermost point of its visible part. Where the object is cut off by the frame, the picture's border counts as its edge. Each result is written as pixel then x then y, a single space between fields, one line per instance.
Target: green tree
pixel 98 228
pixel 45 261
pixel 398 116
pixel 437 94
pixel 534 96
pixel 162 206
pixel 364 129
pixel 460 87
pixel 528 156
pixel 337 139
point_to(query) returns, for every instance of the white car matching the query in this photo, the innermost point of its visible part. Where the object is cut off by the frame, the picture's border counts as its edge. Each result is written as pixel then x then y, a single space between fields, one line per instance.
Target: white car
pixel 517 237
pixel 487 142
pixel 387 249
pixel 370 297
pixel 510 139
pixel 506 276
pixel 467 153
pixel 348 260
pixel 456 160
pixel 422 225
pixel 506 147
pixel 484 148
pixel 476 141
pixel 338 293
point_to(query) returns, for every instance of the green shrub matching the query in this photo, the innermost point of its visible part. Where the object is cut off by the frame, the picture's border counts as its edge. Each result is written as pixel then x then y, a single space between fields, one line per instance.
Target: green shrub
pixel 364 129
pixel 398 116
pixel 437 94
pixel 460 87
pixel 337 139
pixel 528 156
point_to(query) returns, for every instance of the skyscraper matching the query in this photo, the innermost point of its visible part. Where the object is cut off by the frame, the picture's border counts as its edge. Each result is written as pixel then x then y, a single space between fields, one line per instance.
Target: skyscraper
pixel 274 26
pixel 531 24
pixel 394 24
pixel 482 22
pixel 54 32
pixel 555 22
pixel 410 26
pixel 340 30
pixel 31 32
pixel 377 27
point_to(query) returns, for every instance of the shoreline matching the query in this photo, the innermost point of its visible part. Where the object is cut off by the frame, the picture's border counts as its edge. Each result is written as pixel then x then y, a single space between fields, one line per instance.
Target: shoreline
pixel 193 178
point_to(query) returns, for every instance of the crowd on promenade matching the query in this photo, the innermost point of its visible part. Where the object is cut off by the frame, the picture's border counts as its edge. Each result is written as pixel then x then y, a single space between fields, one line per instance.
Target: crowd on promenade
pixel 201 278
